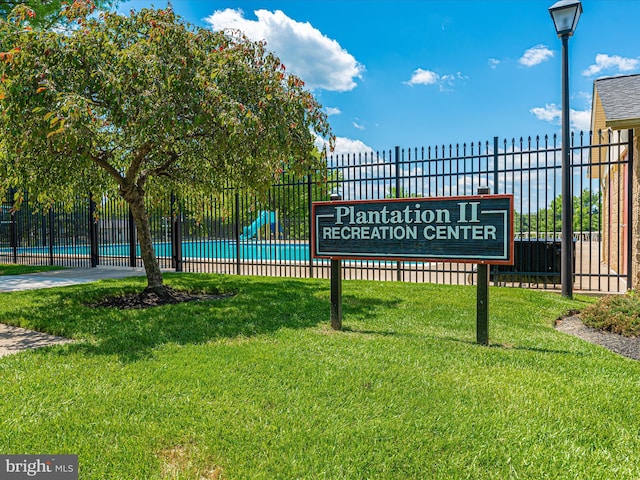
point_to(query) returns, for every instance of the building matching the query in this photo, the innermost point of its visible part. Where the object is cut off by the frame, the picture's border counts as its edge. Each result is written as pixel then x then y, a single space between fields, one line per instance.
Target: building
pixel 615 123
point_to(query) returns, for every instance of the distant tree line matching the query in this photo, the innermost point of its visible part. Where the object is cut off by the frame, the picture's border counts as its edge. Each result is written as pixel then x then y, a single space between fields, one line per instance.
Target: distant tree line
pixel 586 215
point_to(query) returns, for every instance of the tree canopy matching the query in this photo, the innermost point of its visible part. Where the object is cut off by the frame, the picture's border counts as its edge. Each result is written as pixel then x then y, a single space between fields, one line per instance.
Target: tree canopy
pixel 46 13
pixel 143 105
pixel 586 215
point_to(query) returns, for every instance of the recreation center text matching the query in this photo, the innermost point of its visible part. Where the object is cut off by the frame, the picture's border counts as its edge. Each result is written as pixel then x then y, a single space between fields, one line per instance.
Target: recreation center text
pixel 471 228
pixel 386 224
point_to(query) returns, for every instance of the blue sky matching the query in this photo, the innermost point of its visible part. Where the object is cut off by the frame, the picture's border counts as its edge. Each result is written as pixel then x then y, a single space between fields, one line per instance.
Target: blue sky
pixel 426 73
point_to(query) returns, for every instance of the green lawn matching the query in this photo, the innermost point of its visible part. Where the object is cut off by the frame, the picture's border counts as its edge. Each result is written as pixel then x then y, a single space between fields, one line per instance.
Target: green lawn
pixel 14 269
pixel 257 386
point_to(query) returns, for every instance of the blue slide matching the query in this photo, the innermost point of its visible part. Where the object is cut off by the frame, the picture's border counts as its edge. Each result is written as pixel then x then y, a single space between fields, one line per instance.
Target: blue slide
pixel 264 218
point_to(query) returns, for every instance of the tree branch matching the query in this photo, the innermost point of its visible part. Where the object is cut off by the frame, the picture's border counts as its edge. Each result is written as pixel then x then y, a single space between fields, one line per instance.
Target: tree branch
pixel 103 163
pixel 160 170
pixel 136 161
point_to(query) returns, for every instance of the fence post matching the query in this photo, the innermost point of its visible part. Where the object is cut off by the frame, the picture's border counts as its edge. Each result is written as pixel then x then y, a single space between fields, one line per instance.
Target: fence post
pixel 43 231
pixel 13 227
pixel 51 236
pixel 630 213
pixel 495 165
pixel 132 240
pixel 309 216
pixel 94 255
pixel 176 235
pixel 236 232
pixel 399 265
pixel 495 188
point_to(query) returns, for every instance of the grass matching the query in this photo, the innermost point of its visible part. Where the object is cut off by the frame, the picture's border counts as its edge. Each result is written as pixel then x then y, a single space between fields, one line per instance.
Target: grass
pixel 257 386
pixel 14 269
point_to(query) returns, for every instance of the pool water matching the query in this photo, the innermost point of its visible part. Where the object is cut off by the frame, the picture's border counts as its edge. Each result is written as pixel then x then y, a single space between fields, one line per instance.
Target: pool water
pixel 212 249
pixel 228 249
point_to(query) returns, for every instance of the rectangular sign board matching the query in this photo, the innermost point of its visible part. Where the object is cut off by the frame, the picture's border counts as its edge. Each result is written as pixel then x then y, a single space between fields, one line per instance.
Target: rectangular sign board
pixel 473 229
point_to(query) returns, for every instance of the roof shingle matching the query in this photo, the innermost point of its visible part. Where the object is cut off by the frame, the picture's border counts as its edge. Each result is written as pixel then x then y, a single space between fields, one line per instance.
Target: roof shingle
pixel 620 98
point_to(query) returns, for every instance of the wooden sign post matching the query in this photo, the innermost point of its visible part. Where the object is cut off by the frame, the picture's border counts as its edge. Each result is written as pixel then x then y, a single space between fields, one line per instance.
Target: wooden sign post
pixel 482 294
pixel 336 294
pixel 336 284
pixel 471 229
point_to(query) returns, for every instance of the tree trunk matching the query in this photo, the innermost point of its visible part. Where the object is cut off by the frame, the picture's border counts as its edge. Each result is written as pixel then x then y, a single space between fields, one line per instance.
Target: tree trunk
pixel 135 199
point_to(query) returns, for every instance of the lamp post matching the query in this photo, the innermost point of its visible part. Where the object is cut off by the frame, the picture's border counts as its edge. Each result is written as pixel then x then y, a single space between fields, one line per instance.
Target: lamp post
pixel 565 15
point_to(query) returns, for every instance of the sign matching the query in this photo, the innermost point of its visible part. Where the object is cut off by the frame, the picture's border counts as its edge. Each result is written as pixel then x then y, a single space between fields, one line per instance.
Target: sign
pixel 474 229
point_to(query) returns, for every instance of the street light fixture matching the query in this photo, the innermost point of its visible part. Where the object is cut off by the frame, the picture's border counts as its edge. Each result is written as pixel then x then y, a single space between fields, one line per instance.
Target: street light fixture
pixel 565 15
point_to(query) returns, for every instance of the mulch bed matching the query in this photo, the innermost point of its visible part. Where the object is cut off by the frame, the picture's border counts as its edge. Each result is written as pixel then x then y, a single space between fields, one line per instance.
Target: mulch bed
pixel 625 346
pixel 148 299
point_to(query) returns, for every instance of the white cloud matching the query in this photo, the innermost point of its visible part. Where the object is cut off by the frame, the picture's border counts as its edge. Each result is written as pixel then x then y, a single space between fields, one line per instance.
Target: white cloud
pixel 346 145
pixel 552 113
pixel 585 97
pixel 580 119
pixel 427 77
pixel 493 63
pixel 318 60
pixel 423 77
pixel 607 62
pixel 332 111
pixel 447 82
pixel 548 113
pixel 358 125
pixel 535 55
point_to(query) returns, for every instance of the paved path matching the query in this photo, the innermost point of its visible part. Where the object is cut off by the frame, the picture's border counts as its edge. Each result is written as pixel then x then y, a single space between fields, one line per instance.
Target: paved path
pixel 61 278
pixel 15 339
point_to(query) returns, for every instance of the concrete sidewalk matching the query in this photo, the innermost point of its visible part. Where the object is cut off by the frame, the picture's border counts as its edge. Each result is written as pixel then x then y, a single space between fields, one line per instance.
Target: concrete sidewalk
pixel 61 278
pixel 15 339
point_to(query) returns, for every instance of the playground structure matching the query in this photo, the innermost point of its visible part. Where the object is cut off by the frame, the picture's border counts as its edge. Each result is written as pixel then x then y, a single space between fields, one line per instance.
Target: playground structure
pixel 265 217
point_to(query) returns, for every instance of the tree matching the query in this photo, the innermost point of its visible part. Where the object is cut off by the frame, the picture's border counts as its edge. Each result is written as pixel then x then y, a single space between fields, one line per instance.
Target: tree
pixel 586 215
pixel 46 13
pixel 144 105
pixel 402 193
pixel 586 211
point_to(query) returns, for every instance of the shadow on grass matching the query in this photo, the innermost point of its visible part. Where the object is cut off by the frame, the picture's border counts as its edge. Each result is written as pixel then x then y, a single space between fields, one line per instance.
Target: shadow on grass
pixel 361 308
pixel 381 333
pixel 260 306
pixel 507 347
pixel 495 346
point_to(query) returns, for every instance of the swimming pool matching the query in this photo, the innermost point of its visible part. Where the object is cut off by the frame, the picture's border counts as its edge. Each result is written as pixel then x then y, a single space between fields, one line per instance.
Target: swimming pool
pixel 207 249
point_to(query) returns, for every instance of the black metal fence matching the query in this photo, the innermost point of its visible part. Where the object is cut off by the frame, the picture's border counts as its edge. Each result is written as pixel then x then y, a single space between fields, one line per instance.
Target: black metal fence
pixel 237 234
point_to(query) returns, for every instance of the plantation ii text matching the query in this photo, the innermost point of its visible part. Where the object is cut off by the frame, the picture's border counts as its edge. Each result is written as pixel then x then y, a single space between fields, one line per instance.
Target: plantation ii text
pixel 468 229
